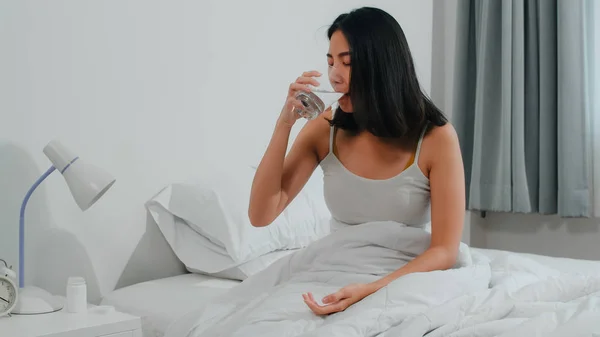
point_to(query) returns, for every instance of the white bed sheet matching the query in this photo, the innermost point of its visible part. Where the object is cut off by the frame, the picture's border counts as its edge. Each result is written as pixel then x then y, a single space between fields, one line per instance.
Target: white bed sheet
pixel 159 302
pixel 561 264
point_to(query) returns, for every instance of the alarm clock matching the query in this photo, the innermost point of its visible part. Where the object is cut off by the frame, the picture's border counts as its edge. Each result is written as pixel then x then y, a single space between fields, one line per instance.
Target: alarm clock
pixel 8 290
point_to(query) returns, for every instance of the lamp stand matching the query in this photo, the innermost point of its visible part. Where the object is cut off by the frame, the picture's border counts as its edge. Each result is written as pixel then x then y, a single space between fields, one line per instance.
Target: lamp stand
pixel 32 300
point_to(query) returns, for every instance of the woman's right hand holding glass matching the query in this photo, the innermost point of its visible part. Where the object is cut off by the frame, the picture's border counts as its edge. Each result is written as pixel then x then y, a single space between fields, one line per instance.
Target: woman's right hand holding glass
pixel 289 115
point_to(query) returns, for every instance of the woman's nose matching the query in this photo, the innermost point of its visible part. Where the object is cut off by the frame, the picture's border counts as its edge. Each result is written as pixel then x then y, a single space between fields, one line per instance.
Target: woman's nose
pixel 334 75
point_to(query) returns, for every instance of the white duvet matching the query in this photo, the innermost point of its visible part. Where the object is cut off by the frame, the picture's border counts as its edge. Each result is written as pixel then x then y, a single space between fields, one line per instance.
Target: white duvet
pixel 505 297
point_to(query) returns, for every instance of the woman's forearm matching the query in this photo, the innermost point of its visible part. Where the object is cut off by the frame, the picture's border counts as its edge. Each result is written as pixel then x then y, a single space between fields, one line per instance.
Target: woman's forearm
pixel 435 258
pixel 265 196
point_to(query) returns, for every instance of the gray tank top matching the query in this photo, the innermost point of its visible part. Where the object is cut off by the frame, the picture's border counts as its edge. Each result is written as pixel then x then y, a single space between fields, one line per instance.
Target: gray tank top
pixel 353 199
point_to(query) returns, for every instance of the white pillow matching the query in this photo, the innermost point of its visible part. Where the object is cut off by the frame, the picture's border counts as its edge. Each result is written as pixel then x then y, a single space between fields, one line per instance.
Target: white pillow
pixel 206 223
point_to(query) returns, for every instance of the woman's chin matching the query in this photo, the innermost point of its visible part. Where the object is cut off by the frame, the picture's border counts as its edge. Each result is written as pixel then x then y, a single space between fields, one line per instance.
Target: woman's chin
pixel 345 104
pixel 346 108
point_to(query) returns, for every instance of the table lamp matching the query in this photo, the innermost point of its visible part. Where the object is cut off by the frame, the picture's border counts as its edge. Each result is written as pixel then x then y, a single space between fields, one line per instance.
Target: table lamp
pixel 87 184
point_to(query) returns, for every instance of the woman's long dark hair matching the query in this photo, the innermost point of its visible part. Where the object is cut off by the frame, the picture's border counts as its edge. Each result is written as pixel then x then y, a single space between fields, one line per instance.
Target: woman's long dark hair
pixel 385 92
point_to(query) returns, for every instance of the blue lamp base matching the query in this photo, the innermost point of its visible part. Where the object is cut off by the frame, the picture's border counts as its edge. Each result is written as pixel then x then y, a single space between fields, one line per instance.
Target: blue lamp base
pixel 33 300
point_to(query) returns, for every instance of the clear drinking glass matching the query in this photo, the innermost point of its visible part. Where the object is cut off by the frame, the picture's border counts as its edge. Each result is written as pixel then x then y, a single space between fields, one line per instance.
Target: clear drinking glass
pixel 319 99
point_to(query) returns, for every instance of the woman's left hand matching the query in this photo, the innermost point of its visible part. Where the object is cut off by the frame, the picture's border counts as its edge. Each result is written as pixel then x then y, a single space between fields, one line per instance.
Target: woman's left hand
pixel 340 300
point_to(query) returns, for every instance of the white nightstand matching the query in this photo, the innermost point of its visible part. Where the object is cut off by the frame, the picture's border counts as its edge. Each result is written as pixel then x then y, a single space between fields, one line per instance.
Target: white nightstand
pixel 97 322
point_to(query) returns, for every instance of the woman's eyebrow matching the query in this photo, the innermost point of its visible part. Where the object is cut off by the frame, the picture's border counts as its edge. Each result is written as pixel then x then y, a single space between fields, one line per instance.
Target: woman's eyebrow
pixel 344 53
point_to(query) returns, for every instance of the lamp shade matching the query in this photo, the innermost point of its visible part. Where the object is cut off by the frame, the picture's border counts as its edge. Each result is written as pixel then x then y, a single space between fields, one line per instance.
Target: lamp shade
pixel 86 182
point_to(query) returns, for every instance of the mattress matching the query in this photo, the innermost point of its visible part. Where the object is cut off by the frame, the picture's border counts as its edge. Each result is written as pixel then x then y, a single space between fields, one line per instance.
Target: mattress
pixel 159 302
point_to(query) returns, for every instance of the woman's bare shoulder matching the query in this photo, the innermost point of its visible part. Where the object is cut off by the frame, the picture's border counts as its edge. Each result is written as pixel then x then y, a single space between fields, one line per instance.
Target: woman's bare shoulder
pixel 441 134
pixel 439 142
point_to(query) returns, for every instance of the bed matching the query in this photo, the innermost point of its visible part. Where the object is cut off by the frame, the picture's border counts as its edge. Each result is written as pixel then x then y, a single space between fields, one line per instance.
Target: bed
pixel 247 281
pixel 161 302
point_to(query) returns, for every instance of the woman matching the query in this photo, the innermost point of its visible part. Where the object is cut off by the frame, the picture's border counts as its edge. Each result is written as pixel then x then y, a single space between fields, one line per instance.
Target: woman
pixel 388 154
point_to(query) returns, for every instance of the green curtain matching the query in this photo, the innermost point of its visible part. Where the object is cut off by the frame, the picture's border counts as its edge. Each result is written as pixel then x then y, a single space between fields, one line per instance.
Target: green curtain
pixel 521 105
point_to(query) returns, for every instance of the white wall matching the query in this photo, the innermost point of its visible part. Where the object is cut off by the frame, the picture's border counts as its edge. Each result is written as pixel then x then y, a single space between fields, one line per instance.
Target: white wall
pixel 546 235
pixel 154 92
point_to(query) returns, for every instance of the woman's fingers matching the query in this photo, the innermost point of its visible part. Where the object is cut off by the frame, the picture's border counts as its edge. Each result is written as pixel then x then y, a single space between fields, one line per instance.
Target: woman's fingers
pixel 312 73
pixel 295 103
pixel 302 82
pixel 299 87
pixel 310 295
pixel 326 309
pixel 308 80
